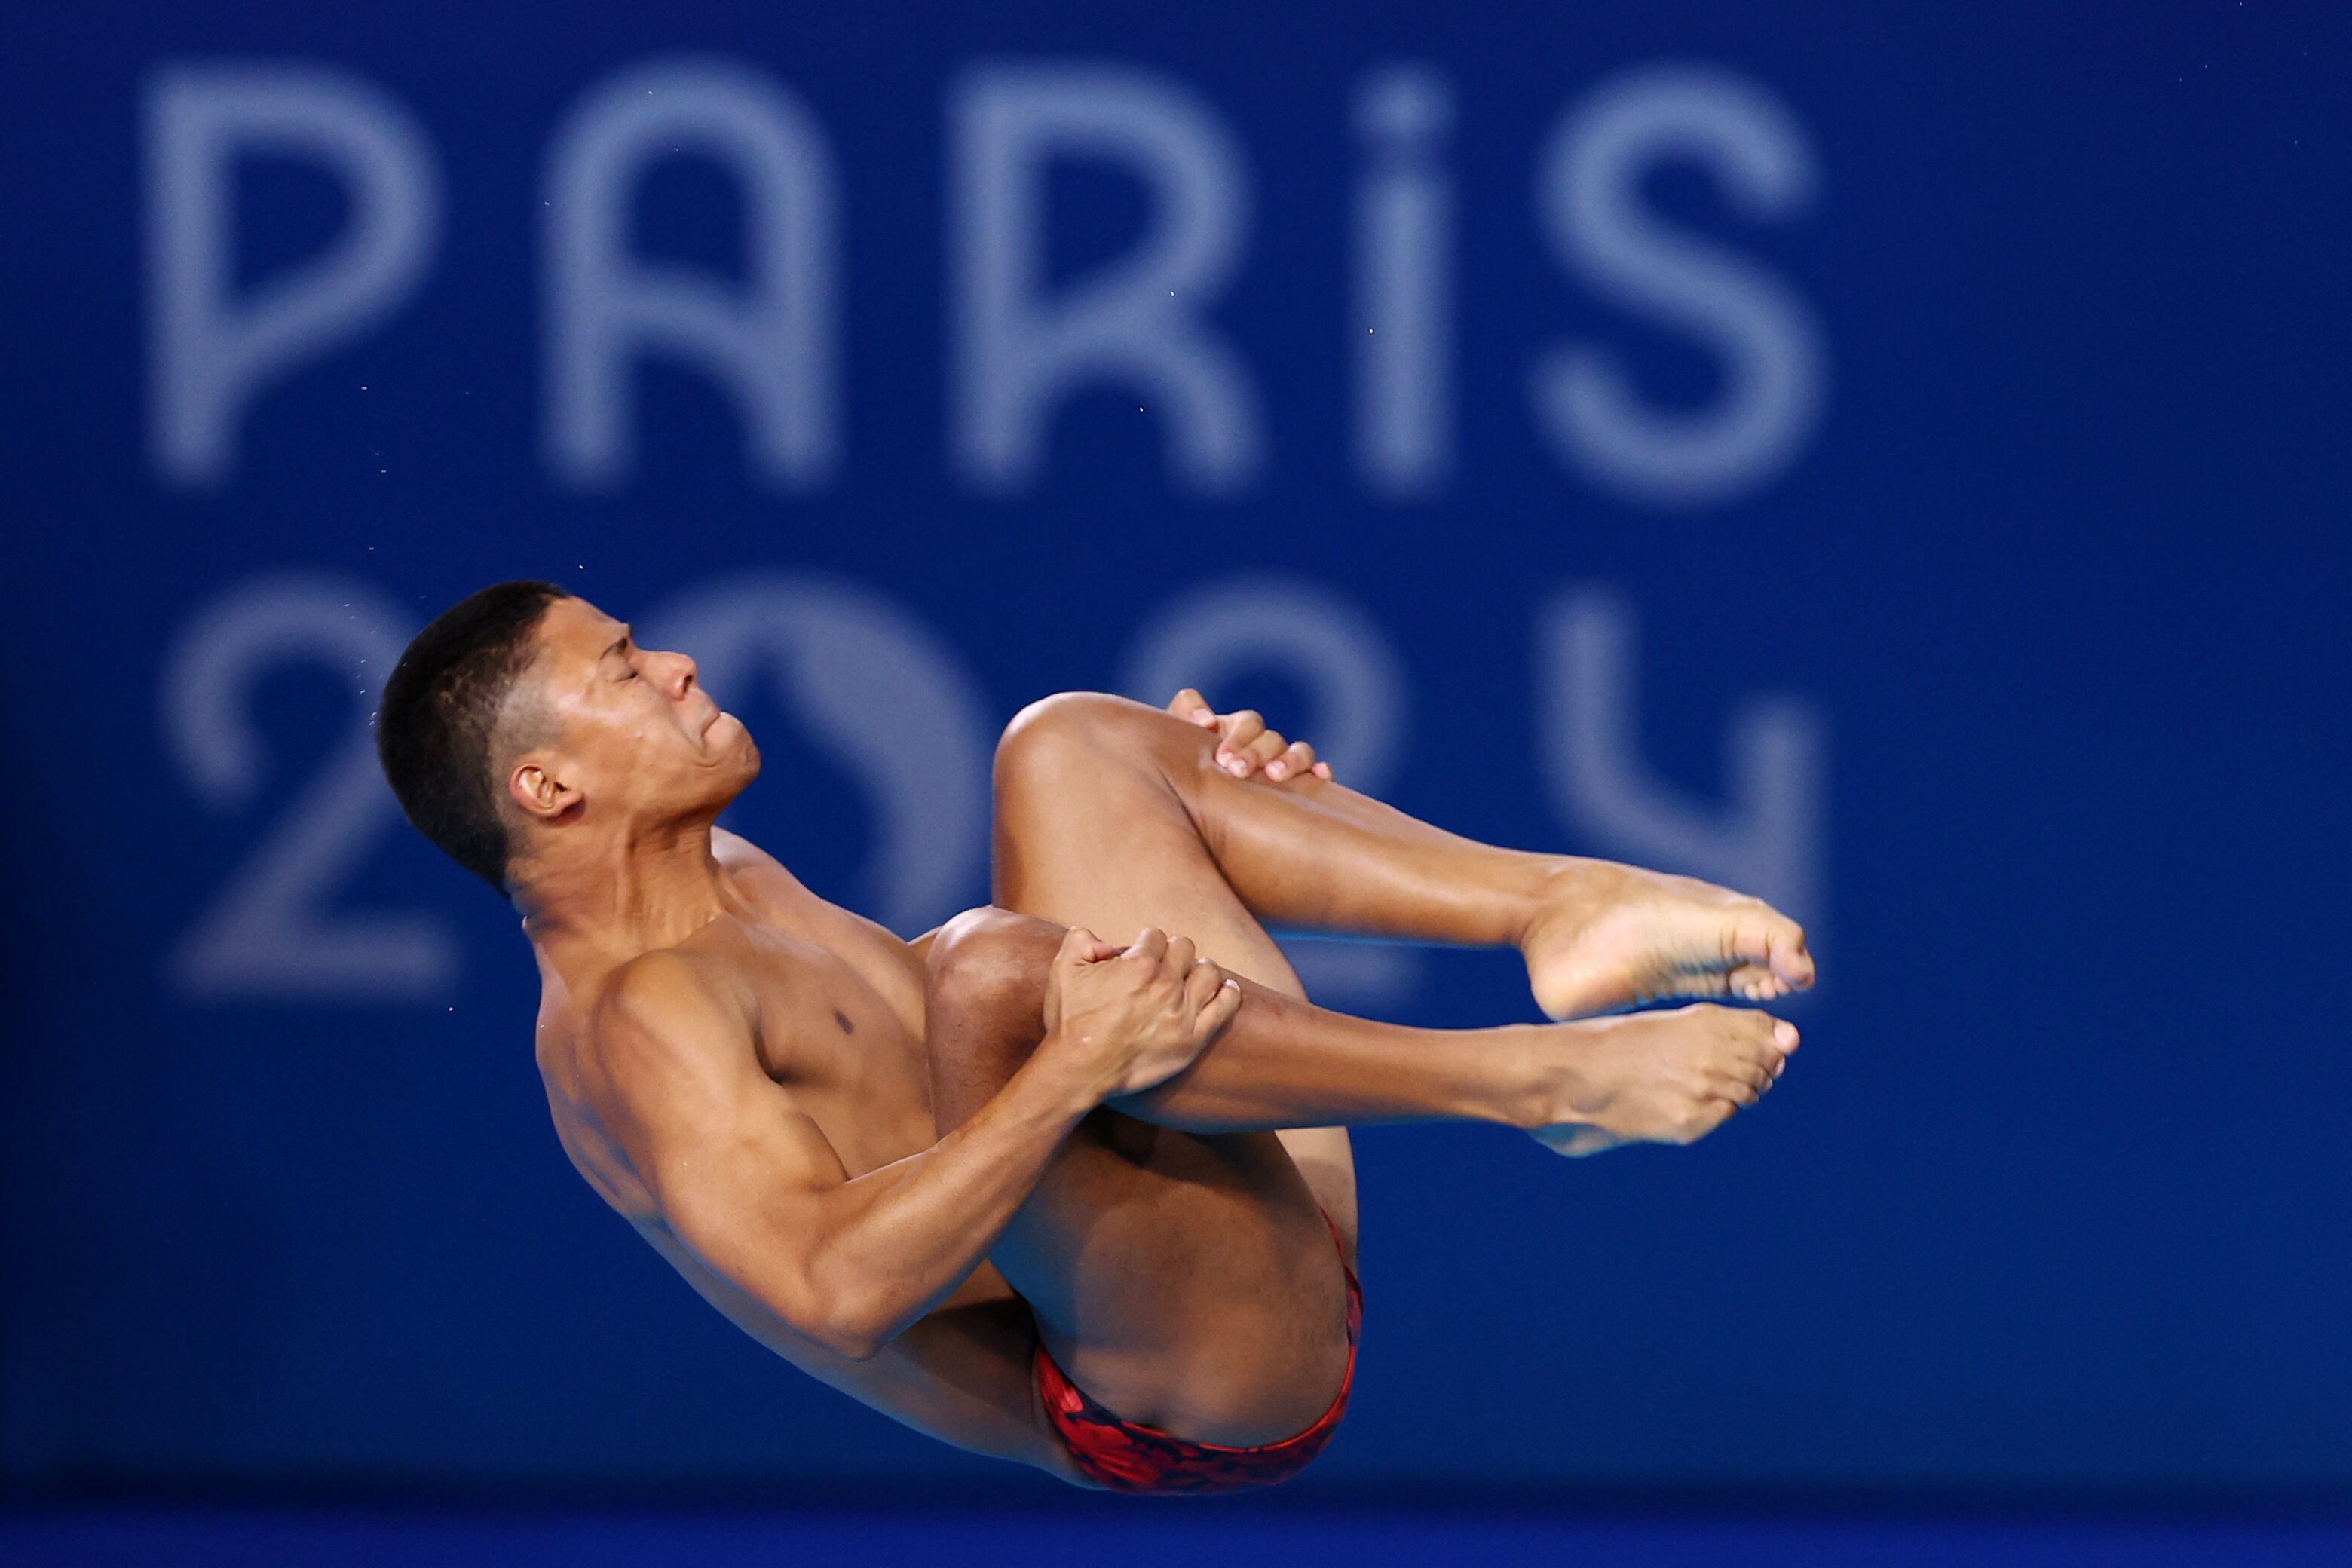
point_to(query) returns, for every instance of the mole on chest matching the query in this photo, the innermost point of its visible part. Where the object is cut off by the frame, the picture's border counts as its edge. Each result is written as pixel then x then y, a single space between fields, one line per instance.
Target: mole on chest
pixel 842 1018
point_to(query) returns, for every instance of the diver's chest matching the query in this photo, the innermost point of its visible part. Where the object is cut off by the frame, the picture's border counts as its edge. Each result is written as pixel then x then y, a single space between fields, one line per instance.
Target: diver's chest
pixel 849 1057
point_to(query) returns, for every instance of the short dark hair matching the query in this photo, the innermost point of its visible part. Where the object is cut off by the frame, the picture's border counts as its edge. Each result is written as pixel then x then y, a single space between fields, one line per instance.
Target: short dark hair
pixel 440 705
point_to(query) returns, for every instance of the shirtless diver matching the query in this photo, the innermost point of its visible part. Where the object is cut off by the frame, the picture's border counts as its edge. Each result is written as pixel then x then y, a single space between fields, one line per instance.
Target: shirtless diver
pixel 1046 1183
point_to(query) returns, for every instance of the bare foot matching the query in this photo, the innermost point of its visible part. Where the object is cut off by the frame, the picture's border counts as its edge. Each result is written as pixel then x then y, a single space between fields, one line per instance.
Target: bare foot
pixel 1618 936
pixel 1661 1078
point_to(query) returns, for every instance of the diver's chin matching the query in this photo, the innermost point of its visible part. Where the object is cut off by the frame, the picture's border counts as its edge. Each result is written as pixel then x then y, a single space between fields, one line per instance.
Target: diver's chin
pixel 741 757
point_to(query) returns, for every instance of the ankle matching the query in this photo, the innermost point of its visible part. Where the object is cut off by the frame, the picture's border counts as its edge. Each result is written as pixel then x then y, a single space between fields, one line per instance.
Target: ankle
pixel 1548 1087
pixel 1557 894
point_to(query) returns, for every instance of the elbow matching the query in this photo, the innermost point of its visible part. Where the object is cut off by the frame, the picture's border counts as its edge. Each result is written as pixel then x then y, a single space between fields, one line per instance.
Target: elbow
pixel 852 1329
pixel 813 1292
pixel 855 1341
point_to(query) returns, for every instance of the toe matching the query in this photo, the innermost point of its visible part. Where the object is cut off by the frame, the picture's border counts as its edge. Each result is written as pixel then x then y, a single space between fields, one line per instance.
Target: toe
pixel 1790 959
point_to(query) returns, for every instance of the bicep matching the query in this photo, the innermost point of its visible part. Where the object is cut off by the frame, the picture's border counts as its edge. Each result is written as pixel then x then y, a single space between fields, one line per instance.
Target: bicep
pixel 738 1175
pixel 740 1190
pixel 743 1188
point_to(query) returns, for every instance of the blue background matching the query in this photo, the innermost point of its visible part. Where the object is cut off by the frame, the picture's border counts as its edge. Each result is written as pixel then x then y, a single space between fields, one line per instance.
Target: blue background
pixel 2055 1196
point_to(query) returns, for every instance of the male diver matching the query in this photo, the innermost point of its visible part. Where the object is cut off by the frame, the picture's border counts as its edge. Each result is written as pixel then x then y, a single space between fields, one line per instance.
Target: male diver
pixel 1046 1183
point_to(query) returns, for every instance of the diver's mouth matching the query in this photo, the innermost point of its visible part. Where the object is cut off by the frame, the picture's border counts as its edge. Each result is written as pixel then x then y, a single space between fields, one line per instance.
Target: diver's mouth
pixel 710 727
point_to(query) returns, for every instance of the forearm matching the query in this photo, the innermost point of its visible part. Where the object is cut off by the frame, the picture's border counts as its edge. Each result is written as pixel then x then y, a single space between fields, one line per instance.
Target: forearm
pixel 898 1241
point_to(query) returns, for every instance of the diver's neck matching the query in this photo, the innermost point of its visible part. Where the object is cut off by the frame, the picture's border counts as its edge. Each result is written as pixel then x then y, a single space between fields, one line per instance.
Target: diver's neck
pixel 638 892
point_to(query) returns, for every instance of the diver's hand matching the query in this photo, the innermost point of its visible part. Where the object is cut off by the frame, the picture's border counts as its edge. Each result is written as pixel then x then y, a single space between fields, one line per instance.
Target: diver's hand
pixel 1244 745
pixel 1135 1016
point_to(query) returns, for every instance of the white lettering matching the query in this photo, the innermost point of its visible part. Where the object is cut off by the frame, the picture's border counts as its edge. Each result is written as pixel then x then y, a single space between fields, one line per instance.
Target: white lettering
pixel 770 342
pixel 1590 203
pixel 210 352
pixel 1401 334
pixel 1136 321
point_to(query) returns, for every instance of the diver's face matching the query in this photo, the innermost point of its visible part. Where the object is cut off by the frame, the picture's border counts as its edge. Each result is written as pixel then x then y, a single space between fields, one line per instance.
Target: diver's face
pixel 629 728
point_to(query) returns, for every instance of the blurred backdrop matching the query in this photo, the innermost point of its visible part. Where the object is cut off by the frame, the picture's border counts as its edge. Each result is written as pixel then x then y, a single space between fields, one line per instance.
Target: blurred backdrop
pixel 1888 459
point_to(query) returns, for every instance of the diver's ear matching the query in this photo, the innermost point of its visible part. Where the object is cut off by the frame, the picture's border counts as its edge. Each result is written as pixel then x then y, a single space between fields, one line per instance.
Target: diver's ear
pixel 537 792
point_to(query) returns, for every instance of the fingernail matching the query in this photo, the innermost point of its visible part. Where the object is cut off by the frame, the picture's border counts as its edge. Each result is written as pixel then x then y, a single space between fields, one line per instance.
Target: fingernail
pixel 1276 770
pixel 1235 766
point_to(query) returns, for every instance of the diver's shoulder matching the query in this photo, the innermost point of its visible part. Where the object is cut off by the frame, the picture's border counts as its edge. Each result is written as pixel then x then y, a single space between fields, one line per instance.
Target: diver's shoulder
pixel 664 980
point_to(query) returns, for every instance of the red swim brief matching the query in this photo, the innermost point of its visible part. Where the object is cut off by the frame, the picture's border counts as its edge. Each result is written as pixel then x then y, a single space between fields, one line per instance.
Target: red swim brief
pixel 1127 1458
